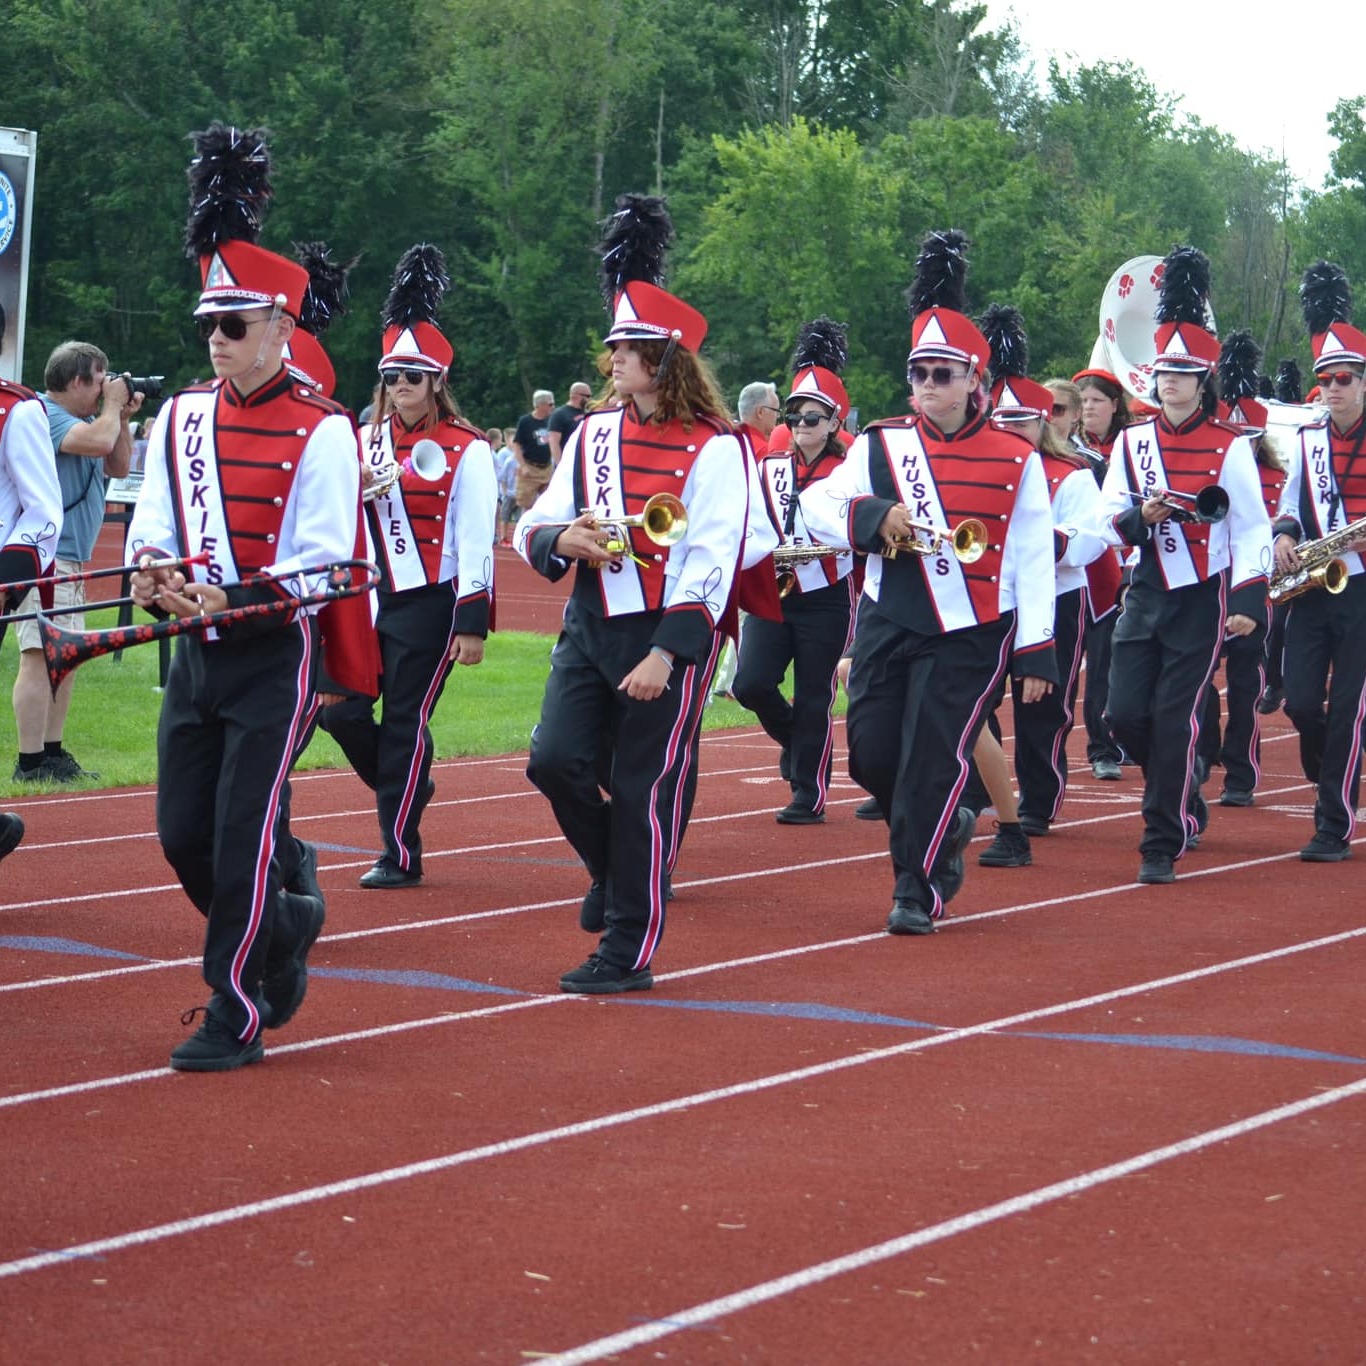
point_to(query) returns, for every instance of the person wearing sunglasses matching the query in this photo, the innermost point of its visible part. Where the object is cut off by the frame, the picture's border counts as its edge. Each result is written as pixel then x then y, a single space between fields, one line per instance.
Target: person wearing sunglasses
pixel 817 610
pixel 432 531
pixel 1325 633
pixel 937 631
pixel 259 471
pixel 1197 578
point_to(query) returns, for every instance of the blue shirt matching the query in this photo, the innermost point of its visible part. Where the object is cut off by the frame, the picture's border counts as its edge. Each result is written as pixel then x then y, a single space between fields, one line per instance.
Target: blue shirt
pixel 83 483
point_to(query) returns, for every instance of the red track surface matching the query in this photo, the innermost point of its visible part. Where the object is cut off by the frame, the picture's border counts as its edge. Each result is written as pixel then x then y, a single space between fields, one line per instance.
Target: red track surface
pixel 443 1159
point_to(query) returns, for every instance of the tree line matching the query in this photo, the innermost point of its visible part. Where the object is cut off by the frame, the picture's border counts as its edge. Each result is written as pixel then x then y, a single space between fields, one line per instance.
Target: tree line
pixel 805 147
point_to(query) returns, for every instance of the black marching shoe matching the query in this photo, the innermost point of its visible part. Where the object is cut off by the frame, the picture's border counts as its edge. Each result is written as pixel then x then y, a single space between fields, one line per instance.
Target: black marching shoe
pixel 1107 769
pixel 386 875
pixel 298 922
pixel 593 909
pixel 868 811
pixel 785 765
pixel 1156 868
pixel 1270 700
pixel 799 815
pixel 1010 848
pixel 908 917
pixel 1325 848
pixel 1236 796
pixel 948 871
pixel 11 832
pixel 213 1047
pixel 1033 826
pixel 305 878
pixel 597 977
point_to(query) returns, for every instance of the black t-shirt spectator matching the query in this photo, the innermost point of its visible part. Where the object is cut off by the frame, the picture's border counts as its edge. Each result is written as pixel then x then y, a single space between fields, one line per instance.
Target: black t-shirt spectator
pixel 563 420
pixel 530 436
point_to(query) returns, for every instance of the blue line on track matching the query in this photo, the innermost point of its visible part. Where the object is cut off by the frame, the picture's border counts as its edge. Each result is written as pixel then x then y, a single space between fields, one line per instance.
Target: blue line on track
pixel 400 978
pixel 33 943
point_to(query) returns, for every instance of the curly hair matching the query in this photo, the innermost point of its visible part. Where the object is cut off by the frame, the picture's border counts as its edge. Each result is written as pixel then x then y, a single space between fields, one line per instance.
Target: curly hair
pixel 687 389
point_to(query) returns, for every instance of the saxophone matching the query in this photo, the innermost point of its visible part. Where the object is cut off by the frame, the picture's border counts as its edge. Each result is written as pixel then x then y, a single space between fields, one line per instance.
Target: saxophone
pixel 1320 566
pixel 788 556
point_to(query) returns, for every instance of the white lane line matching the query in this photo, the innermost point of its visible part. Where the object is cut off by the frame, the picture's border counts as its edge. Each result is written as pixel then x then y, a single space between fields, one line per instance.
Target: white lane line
pixel 805 1278
pixel 539 1138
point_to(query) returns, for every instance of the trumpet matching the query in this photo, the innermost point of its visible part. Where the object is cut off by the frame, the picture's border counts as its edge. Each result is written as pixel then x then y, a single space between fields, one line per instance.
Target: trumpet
pixel 968 541
pixel 66 651
pixel 786 558
pixel 1208 506
pixel 663 519
pixel 1320 566
pixel 426 460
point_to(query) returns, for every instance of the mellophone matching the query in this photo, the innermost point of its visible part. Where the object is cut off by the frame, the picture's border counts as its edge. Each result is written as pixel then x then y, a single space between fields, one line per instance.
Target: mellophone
pixel 427 460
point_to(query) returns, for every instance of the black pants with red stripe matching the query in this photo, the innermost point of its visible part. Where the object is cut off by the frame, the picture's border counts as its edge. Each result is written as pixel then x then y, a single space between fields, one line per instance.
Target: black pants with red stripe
pixel 628 840
pixel 1100 742
pixel 1042 727
pixel 231 719
pixel 1238 747
pixel 916 706
pixel 1326 632
pixel 1165 650
pixel 812 637
pixel 394 755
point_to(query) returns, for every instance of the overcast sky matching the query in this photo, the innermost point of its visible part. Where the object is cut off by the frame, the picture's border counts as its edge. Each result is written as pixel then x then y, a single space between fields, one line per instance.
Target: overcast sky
pixel 1236 68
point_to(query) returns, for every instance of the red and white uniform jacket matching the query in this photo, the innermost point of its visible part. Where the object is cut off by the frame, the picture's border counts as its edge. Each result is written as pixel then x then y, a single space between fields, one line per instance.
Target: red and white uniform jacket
pixel 30 497
pixel 268 484
pixel 784 478
pixel 1325 489
pixel 441 530
pixel 1077 536
pixel 1155 455
pixel 611 465
pixel 978 471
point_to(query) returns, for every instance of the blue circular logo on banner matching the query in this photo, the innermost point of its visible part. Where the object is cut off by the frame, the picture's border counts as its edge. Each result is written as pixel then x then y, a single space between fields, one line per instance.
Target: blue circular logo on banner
pixel 8 206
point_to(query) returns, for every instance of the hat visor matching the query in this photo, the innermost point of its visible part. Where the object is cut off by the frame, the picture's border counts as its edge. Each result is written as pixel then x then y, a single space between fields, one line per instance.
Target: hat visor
pixel 396 362
pixel 231 303
pixel 1018 415
pixel 1178 366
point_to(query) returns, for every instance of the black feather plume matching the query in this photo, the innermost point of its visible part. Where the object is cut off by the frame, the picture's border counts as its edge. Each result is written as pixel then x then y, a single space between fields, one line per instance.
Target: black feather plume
pixel 325 297
pixel 229 187
pixel 1325 297
pixel 635 242
pixel 1003 327
pixel 1265 388
pixel 822 342
pixel 1182 296
pixel 1239 358
pixel 941 273
pixel 1289 385
pixel 420 281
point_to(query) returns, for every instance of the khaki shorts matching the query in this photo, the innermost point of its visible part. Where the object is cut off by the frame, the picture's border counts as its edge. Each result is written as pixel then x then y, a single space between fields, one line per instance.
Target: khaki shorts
pixel 63 595
pixel 531 479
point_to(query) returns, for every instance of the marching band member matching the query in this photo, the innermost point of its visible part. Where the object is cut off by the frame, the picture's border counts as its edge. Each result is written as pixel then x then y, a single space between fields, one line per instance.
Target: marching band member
pixel 1325 493
pixel 817 609
pixel 1238 749
pixel 1194 580
pixel 432 528
pixel 935 634
pixel 260 471
pixel 640 634
pixel 1024 406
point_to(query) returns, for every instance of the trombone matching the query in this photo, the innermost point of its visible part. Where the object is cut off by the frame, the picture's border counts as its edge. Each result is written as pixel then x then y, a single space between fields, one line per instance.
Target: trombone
pixel 1209 506
pixel 968 541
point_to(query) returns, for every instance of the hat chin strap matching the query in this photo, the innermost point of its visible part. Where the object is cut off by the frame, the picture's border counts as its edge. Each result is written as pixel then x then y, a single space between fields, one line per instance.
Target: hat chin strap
pixel 275 311
pixel 664 360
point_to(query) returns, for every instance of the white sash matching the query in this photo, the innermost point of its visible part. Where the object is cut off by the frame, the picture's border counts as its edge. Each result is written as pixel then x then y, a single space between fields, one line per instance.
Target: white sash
pixel 1143 453
pixel 200 495
pixel 401 554
pixel 600 454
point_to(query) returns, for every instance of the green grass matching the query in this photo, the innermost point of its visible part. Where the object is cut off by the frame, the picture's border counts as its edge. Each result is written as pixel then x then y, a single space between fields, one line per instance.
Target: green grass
pixel 111 727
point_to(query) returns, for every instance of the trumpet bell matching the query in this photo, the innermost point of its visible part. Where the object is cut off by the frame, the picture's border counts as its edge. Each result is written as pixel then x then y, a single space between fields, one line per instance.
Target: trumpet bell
pixel 969 540
pixel 664 519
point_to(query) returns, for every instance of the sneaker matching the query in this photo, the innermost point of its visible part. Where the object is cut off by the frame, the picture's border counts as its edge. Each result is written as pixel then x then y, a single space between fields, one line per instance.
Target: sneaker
pixel 1325 849
pixel 65 769
pixel 298 923
pixel 1033 826
pixel 44 773
pixel 1156 868
pixel 1010 848
pixel 1107 769
pixel 908 917
pixel 385 876
pixel 1236 796
pixel 799 815
pixel 593 910
pixel 11 832
pixel 868 811
pixel 947 873
pixel 598 977
pixel 213 1047
pixel 1270 700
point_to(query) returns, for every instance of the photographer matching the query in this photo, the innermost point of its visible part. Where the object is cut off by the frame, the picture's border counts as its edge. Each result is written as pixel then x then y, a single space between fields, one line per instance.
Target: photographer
pixel 88 414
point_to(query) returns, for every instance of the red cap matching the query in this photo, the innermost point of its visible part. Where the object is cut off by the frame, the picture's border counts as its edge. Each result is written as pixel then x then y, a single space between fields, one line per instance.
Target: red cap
pixel 1016 399
pixel 1106 375
pixel 942 332
pixel 1246 413
pixel 1185 347
pixel 644 312
pixel 419 346
pixel 239 275
pixel 825 386
pixel 305 355
pixel 1342 344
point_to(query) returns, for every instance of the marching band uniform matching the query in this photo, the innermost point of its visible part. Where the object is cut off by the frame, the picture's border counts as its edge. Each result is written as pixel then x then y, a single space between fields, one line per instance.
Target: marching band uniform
pixel 935 636
pixel 1325 633
pixel 816 623
pixel 1190 576
pixel 268 484
pixel 667 601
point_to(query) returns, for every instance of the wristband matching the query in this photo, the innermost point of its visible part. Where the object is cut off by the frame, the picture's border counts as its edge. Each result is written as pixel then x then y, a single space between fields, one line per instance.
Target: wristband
pixel 663 654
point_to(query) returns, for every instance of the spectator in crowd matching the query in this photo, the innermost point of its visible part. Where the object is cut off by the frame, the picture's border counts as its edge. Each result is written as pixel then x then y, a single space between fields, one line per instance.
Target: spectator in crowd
pixel 88 416
pixel 505 467
pixel 758 410
pixel 566 417
pixel 532 449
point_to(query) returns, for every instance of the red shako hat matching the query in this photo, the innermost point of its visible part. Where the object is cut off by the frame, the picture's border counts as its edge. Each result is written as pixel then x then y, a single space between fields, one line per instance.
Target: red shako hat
pixel 644 312
pixel 937 298
pixel 412 339
pixel 1240 360
pixel 821 353
pixel 1326 303
pixel 1014 396
pixel 1182 341
pixel 324 300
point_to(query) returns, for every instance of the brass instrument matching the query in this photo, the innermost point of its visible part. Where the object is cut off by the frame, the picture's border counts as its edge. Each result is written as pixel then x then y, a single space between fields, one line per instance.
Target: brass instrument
pixel 1320 566
pixel 426 460
pixel 786 558
pixel 968 541
pixel 1208 506
pixel 664 520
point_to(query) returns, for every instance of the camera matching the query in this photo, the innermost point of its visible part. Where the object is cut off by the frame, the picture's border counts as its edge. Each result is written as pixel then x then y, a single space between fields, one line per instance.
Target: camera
pixel 152 387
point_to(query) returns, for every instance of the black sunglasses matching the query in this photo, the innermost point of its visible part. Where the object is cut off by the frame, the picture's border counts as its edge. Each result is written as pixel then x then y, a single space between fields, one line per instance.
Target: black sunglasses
pixel 806 419
pixel 940 374
pixel 232 325
pixel 390 377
